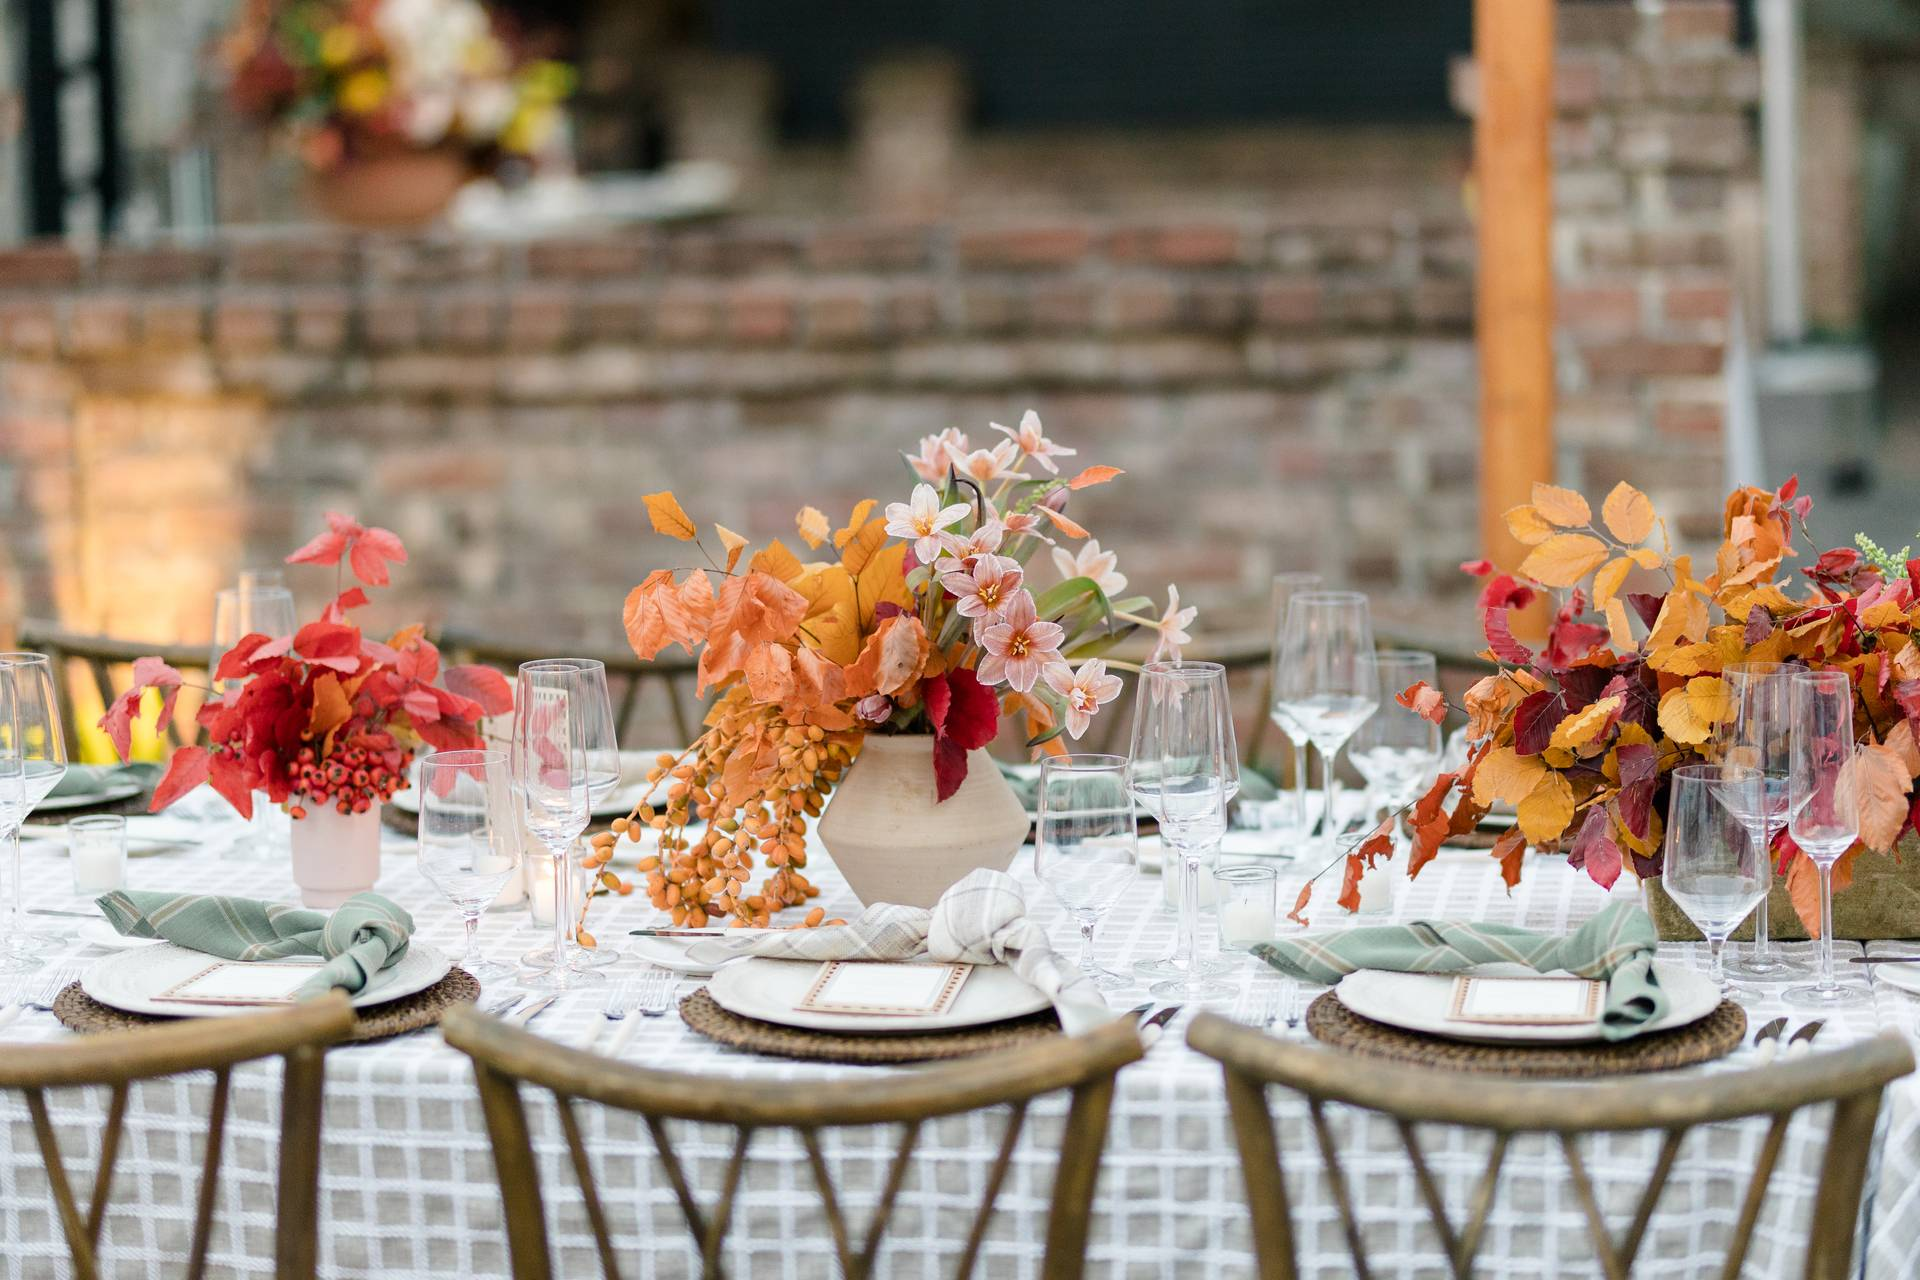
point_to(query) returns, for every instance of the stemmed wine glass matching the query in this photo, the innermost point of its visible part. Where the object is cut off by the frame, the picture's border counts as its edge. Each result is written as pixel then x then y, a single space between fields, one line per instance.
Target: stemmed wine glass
pixel 1143 774
pixel 1760 736
pixel 1397 750
pixel 1285 587
pixel 1824 817
pixel 1182 717
pixel 260 604
pixel 469 839
pixel 1712 868
pixel 552 711
pixel 33 759
pixel 603 779
pixel 1326 679
pixel 1084 844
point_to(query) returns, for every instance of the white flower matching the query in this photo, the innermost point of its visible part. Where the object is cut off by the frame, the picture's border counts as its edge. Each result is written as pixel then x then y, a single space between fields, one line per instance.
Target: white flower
pixel 1033 444
pixel 984 466
pixel 922 518
pixel 1085 691
pixel 1091 562
pixel 1019 646
pixel 1172 627
pixel 930 464
pixel 983 541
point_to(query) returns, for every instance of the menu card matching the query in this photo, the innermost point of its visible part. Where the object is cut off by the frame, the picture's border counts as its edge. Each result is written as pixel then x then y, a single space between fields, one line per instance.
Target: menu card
pixel 238 982
pixel 1533 1001
pixel 885 988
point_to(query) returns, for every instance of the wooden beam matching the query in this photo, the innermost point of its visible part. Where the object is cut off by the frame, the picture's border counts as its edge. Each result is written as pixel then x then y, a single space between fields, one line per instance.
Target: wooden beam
pixel 1513 179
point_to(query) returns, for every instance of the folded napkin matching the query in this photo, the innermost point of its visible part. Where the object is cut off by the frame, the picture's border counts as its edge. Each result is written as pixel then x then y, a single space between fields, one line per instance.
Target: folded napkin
pixel 980 920
pixel 1617 945
pixel 364 935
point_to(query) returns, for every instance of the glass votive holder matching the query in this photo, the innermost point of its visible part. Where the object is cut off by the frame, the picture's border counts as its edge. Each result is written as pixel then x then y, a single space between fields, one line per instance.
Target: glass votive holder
pixel 97 850
pixel 1247 907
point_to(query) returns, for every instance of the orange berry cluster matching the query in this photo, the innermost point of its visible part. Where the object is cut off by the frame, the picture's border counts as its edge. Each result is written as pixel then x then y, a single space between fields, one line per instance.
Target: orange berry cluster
pixel 351 779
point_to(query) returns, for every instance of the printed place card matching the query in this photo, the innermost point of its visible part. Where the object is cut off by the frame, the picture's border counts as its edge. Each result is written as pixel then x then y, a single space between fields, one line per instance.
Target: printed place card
pixel 1536 1001
pixel 238 982
pixel 885 988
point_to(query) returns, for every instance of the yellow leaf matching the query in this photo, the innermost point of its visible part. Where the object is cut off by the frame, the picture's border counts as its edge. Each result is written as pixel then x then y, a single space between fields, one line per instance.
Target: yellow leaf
pixel 667 517
pixel 1619 628
pixel 1528 526
pixel 854 521
pixel 1506 775
pixel 1687 659
pixel 1627 514
pixel 859 548
pixel 882 581
pixel 1876 782
pixel 776 561
pixel 1558 757
pixel 1564 559
pixel 1548 808
pixel 1580 729
pixel 1688 714
pixel 331 706
pixel 1880 614
pixel 1682 619
pixel 813 525
pixel 1562 507
pixel 733 542
pixel 1646 557
pixel 1608 581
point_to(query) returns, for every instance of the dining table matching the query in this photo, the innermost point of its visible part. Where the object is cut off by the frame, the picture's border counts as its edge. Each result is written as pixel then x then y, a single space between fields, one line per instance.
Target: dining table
pixel 408 1184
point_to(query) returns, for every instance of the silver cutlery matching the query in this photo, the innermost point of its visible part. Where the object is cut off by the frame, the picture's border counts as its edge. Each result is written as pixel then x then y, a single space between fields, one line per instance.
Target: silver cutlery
pixel 620 997
pixel 1153 1028
pixel 499 1008
pixel 1883 959
pixel 39 991
pixel 701 933
pixel 652 997
pixel 65 915
pixel 1766 1041
pixel 1289 998
pixel 521 1017
pixel 1140 1011
pixel 1800 1042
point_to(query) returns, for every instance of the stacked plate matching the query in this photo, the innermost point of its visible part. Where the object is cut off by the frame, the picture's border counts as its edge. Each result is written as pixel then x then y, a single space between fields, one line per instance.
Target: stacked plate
pixel 769 990
pixel 1422 1003
pixel 134 981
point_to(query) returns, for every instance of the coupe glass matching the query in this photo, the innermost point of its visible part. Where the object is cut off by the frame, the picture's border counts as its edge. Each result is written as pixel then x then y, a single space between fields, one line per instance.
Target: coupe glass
pixel 1397 750
pixel 1143 776
pixel 1326 679
pixel 33 758
pixel 260 604
pixel 1713 869
pixel 1823 816
pixel 1084 845
pixel 603 779
pixel 469 839
pixel 1285 587
pixel 1759 736
pixel 553 707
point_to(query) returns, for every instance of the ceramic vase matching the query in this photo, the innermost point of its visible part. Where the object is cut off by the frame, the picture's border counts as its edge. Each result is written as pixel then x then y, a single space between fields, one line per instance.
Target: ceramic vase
pixel 390 189
pixel 335 855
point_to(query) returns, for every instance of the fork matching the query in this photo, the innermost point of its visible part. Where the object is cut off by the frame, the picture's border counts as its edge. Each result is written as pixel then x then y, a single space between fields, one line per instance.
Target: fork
pixel 504 1005
pixel 653 996
pixel 1289 1005
pixel 51 985
pixel 620 997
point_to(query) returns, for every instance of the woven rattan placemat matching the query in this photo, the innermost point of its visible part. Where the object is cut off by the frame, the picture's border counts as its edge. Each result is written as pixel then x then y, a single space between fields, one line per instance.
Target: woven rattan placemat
pixel 701 1013
pixel 1713 1036
pixel 81 1012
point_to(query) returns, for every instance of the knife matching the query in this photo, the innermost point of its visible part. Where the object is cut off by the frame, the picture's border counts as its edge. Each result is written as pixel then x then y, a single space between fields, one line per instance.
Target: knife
pixel 1153 1028
pixel 1883 959
pixel 1139 1011
pixel 1766 1041
pixel 532 1011
pixel 1800 1043
pixel 69 915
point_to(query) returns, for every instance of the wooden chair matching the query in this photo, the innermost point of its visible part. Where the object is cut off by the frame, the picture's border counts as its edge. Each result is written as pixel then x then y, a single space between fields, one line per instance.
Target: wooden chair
pixel 628 679
pixel 299 1035
pixel 1851 1079
pixel 505 1056
pixel 78 656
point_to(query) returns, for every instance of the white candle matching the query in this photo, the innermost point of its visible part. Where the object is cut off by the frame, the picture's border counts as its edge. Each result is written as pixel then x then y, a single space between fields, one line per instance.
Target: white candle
pixel 1376 888
pixel 539 873
pixel 97 869
pixel 1244 923
pixel 1171 873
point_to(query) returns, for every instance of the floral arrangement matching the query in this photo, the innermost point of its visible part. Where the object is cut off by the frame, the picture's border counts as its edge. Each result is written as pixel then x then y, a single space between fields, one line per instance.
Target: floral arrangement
pixel 347 76
pixel 324 716
pixel 921 619
pixel 1580 735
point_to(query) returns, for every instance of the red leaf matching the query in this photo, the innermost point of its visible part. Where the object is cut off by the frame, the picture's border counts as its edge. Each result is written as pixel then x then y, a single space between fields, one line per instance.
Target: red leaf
pixel 148 673
pixel 322 548
pixel 1639 775
pixel 1423 700
pixel 385 543
pixel 1759 625
pixel 949 767
pixel 1508 850
pixel 351 598
pixel 938 695
pixel 1647 606
pixel 1300 904
pixel 1535 719
pixel 368 565
pixel 1431 826
pixel 1378 845
pixel 1478 568
pixel 237 662
pixel 1594 849
pixel 1350 884
pixel 329 644
pixel 1094 475
pixel 1569 641
pixel 229 779
pixel 974 717
pixel 483 685
pixel 1505 593
pixel 1500 638
pixel 186 770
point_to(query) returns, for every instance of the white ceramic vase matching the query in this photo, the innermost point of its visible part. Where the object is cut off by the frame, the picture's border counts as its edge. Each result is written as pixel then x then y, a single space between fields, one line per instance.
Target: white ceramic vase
pixel 894 842
pixel 335 855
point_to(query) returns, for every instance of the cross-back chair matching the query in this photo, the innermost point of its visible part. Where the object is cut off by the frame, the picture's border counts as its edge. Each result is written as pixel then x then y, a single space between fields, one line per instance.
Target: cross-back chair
pixel 506 1057
pixel 107 663
pixel 670 677
pixel 118 1060
pixel 1851 1079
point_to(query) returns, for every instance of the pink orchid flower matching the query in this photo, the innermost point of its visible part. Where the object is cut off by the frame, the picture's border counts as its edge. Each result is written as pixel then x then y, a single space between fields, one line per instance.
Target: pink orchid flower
pixel 1091 562
pixel 922 519
pixel 1172 627
pixel 985 590
pixel 1019 646
pixel 984 466
pixel 930 464
pixel 1085 690
pixel 983 541
pixel 1033 444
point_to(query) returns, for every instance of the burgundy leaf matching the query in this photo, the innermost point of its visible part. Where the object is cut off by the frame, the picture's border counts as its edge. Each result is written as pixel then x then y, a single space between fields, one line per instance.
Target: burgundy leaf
pixel 1647 606
pixel 1644 867
pixel 1502 592
pixel 949 767
pixel 1594 849
pixel 937 694
pixel 1639 775
pixel 1569 641
pixel 1500 638
pixel 1535 719
pixel 1759 625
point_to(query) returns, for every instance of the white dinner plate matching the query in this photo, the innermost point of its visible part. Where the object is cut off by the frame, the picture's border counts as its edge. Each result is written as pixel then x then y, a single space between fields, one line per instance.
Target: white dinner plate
pixel 131 979
pixel 670 954
pixel 769 989
pixel 99 933
pixel 1905 977
pixel 1420 1001
pixel 106 794
pixel 632 790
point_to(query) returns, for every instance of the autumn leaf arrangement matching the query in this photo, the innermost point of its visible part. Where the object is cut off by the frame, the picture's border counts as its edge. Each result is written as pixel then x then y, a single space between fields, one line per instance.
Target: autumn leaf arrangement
pixel 1580 735
pixel 325 716
pixel 921 619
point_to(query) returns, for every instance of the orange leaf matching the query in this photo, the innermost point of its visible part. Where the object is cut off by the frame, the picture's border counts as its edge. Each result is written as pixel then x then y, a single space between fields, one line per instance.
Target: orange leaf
pixel 854 521
pixel 759 608
pixel 1300 904
pixel 1094 475
pixel 813 525
pixel 1876 781
pixel 1564 559
pixel 1628 514
pixel 891 658
pixel 733 542
pixel 1424 701
pixel 1508 851
pixel 776 561
pixel 667 517
pixel 1350 884
pixel 859 547
pixel 1803 885
pixel 331 708
pixel 769 673
pixel 1560 506
pixel 1528 526
pixel 818 682
pixel 1061 523
pixel 1900 741
pixel 659 613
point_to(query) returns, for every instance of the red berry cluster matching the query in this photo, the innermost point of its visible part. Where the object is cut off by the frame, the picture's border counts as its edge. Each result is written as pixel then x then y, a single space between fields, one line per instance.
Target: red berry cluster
pixel 352 779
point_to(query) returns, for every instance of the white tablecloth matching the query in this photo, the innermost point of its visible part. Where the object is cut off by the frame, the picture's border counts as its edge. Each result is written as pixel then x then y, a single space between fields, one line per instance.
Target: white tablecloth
pixel 409 1189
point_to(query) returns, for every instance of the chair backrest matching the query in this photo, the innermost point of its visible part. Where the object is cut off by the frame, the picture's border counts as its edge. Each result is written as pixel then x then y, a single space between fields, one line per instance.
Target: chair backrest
pixel 669 677
pixel 1851 1079
pixel 505 1056
pixel 106 663
pixel 299 1035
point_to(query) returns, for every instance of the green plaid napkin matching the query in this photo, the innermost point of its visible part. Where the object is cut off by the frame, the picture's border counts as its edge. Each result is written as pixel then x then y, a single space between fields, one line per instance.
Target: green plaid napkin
pixel 364 935
pixel 1617 944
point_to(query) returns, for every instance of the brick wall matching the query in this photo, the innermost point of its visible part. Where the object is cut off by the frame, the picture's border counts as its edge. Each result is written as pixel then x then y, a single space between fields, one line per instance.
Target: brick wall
pixel 1288 388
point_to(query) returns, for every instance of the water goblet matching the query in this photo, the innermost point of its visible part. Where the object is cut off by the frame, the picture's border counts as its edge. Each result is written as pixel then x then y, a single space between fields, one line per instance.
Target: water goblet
pixel 469 839
pixel 1712 867
pixel 1327 680
pixel 1285 587
pixel 1084 844
pixel 1823 812
pixel 33 759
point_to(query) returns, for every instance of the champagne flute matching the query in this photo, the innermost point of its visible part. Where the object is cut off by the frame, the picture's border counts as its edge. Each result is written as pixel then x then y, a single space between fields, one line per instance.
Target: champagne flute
pixel 1713 869
pixel 1327 680
pixel 550 771
pixel 1285 587
pixel 33 759
pixel 1084 844
pixel 1823 816
pixel 469 839
pixel 1760 736
pixel 260 604
pixel 598 730
pixel 1397 750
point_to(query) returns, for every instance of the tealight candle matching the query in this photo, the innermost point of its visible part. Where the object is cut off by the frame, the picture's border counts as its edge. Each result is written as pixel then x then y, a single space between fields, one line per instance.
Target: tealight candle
pixel 1376 888
pixel 540 894
pixel 97 848
pixel 1170 884
pixel 1246 906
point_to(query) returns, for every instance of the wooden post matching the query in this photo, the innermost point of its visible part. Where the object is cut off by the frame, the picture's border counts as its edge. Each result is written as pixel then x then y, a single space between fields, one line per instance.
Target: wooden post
pixel 1513 173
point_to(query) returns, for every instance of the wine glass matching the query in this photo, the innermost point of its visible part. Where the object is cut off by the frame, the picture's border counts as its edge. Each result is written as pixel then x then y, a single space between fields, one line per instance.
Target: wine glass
pixel 603 779
pixel 550 772
pixel 469 839
pixel 1188 729
pixel 260 604
pixel 1143 774
pixel 1397 750
pixel 1326 679
pixel 1713 869
pixel 1759 736
pixel 1285 587
pixel 1084 845
pixel 33 759
pixel 1823 816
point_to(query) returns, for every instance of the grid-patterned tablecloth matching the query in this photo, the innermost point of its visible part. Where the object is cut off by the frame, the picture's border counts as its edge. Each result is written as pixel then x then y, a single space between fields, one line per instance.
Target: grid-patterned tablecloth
pixel 409 1189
